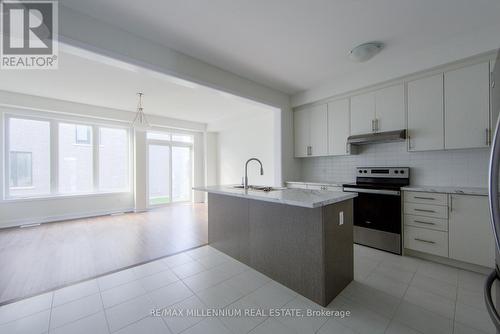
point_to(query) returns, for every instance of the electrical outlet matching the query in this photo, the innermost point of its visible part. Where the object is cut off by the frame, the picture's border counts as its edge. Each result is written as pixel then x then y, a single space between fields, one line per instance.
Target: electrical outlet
pixel 341 218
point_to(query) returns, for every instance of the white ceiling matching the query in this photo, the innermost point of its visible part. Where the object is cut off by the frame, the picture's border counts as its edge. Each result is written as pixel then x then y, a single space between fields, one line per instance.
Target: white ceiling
pixel 293 45
pixel 96 80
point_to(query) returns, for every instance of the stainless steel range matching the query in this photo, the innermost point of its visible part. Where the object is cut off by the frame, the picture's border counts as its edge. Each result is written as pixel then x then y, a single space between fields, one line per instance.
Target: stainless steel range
pixel 377 209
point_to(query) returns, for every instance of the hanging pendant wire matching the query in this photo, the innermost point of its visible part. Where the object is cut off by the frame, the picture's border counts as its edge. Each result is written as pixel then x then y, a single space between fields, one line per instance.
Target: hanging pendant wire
pixel 140 117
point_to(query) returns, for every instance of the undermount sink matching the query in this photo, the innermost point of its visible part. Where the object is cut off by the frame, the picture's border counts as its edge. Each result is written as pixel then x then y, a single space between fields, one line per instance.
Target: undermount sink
pixel 257 188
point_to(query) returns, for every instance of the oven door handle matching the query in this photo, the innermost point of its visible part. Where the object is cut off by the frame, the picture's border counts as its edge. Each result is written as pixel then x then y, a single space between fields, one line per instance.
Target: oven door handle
pixel 373 191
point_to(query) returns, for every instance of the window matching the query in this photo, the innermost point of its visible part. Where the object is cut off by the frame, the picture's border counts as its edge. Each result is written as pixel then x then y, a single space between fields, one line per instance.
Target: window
pixel 82 134
pixel 158 136
pixel 20 169
pixel 75 161
pixel 28 147
pixel 113 159
pixel 182 138
pixel 47 157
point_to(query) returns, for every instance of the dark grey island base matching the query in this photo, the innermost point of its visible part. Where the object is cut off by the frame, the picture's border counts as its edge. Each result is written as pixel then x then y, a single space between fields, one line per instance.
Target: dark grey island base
pixel 306 249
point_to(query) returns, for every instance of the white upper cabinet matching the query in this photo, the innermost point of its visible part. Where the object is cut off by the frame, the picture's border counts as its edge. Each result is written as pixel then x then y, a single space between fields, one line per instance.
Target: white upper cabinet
pixel 390 108
pixel 380 110
pixel 319 131
pixel 363 113
pixel 301 132
pixel 425 114
pixel 338 127
pixel 466 107
pixel 470 235
pixel 311 131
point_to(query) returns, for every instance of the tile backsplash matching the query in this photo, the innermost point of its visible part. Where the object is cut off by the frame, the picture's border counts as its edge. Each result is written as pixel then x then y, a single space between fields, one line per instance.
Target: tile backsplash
pixel 467 168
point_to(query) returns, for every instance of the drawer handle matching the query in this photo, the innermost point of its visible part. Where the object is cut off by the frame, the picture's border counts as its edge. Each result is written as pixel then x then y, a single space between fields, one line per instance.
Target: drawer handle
pixel 423 240
pixel 421 222
pixel 424 210
pixel 429 198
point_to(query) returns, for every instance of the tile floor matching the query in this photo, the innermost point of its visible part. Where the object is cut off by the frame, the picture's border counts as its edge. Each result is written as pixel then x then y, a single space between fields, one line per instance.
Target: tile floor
pixel 390 294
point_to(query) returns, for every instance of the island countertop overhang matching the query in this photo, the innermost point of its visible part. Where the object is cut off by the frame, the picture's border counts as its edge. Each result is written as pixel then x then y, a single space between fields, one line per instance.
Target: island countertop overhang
pixel 305 198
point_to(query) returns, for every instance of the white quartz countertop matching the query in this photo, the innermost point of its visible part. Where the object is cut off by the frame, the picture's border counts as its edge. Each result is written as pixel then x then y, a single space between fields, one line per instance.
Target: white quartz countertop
pixel 297 197
pixel 329 183
pixel 449 190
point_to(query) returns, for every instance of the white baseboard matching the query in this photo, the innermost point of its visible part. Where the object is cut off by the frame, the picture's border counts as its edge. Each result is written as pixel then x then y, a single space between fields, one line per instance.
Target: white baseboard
pixel 57 218
pixel 450 262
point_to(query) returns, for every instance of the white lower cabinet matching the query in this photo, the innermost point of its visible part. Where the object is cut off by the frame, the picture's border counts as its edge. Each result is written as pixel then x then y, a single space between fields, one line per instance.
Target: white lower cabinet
pixel 427 222
pixel 426 210
pixel 456 226
pixel 426 240
pixel 470 235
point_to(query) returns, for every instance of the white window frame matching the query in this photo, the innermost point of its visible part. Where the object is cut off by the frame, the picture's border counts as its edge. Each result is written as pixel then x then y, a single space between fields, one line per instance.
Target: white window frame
pixel 170 144
pixel 54 120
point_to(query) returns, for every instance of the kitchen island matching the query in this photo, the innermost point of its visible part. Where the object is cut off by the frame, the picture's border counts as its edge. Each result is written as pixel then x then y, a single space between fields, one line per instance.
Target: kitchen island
pixel 301 238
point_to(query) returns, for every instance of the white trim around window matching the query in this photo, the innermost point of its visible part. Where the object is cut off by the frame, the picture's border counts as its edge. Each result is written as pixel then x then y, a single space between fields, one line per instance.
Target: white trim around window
pixel 54 121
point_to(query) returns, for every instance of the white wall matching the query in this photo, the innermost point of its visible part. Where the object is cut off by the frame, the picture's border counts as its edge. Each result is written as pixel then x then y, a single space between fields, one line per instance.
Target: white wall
pixel 16 212
pixel 249 138
pixel 467 168
pixel 211 158
pixel 30 211
pixel 198 166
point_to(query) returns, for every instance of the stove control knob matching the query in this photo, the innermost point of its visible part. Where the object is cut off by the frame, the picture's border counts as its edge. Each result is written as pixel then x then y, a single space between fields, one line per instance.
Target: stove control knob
pixel 360 171
pixel 365 171
pixel 402 171
pixel 396 172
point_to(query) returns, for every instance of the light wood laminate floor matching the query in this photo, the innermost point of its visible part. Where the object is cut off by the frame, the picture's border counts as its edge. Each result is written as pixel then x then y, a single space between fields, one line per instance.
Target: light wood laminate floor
pixel 41 258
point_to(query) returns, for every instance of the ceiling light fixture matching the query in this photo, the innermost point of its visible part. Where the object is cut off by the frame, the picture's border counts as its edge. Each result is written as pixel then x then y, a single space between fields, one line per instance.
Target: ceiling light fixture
pixel 365 51
pixel 140 121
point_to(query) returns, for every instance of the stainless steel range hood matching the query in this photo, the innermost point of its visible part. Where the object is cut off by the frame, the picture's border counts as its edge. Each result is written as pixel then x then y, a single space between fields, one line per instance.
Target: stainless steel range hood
pixel 379 137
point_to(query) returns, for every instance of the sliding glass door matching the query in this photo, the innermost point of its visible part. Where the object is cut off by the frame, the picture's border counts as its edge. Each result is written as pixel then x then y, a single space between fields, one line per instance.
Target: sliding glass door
pixel 169 168
pixel 159 174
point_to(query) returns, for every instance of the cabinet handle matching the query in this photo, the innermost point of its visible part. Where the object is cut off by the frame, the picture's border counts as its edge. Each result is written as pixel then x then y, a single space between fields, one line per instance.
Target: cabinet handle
pixel 423 240
pixel 309 150
pixel 409 142
pixel 424 210
pixel 376 124
pixel 429 198
pixel 451 203
pixel 347 148
pixel 422 222
pixel 373 125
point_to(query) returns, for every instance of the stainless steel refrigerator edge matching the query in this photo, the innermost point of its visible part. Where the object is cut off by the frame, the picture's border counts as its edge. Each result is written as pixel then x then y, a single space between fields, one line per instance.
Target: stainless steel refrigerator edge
pixel 493 192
